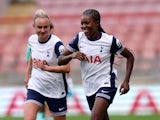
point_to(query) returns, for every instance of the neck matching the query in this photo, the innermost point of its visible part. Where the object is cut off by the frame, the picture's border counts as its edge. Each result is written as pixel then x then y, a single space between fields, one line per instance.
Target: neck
pixel 94 37
pixel 44 41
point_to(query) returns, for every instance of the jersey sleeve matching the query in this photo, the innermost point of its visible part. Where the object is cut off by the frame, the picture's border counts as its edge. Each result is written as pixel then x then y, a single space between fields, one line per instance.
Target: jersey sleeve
pixel 59 48
pixel 73 45
pixel 116 47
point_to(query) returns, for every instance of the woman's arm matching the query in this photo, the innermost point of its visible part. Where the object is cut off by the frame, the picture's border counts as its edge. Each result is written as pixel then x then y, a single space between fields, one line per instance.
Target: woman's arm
pixel 56 69
pixel 67 56
pixel 129 67
pixel 28 72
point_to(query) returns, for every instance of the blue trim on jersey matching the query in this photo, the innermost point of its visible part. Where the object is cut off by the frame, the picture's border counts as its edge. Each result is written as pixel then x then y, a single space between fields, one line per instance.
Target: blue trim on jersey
pixel 113 77
pixel 112 53
pixel 74 42
pixel 115 47
pixel 58 44
pixel 57 52
pixel 65 83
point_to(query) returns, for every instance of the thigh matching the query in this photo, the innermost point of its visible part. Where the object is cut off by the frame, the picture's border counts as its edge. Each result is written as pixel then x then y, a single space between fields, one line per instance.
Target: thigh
pixel 99 111
pixel 107 93
pixel 30 111
pixel 91 100
pixel 47 111
pixel 104 98
pixel 58 106
pixel 35 97
pixel 32 105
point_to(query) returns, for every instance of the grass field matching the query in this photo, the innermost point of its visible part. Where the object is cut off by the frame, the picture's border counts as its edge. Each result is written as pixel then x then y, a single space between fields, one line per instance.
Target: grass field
pixel 85 117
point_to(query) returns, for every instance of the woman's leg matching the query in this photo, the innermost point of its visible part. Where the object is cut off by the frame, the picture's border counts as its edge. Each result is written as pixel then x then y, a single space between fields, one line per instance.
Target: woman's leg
pixel 48 115
pixel 99 111
pixel 40 114
pixel 57 107
pixel 63 117
pixel 30 111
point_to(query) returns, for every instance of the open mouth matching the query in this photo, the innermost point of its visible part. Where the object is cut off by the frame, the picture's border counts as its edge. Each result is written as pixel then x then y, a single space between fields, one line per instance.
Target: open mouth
pixel 42 34
pixel 86 31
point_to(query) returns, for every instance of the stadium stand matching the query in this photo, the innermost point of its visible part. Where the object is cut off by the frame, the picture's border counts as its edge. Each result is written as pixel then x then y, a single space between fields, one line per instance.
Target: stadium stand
pixel 13 40
pixel 135 22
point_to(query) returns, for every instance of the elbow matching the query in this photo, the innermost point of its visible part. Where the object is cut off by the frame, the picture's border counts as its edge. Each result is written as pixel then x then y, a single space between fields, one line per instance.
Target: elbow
pixel 68 70
pixel 131 58
pixel 60 61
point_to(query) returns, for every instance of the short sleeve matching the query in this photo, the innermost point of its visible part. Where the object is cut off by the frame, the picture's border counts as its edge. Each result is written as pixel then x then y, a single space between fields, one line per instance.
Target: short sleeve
pixel 116 47
pixel 59 48
pixel 73 45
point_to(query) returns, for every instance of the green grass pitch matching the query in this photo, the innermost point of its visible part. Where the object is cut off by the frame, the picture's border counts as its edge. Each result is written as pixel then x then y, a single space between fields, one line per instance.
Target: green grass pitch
pixel 86 117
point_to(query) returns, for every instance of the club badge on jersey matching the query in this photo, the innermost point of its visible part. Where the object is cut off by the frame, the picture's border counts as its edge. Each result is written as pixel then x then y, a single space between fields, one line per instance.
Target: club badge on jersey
pixel 61 49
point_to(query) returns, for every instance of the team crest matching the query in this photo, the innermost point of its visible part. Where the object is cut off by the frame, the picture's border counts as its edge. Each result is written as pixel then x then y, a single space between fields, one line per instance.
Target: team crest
pixel 61 49
pixel 48 53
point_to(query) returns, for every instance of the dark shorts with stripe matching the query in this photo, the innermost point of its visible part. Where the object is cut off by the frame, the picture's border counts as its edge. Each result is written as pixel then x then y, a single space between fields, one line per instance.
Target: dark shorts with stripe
pixel 57 106
pixel 107 93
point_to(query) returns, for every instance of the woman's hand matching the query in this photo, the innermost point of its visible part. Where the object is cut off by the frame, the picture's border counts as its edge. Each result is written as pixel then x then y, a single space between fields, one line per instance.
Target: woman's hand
pixel 124 88
pixel 79 55
pixel 38 64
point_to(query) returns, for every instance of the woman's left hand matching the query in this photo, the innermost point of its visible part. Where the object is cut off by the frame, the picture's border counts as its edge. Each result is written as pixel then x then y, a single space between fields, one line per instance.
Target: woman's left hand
pixel 124 88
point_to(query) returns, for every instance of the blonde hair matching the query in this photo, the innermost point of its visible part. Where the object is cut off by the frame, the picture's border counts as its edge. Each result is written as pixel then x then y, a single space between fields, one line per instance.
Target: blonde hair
pixel 41 14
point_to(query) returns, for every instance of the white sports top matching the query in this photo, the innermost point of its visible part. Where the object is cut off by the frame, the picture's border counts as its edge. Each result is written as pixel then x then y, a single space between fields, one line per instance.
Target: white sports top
pixel 49 84
pixel 98 70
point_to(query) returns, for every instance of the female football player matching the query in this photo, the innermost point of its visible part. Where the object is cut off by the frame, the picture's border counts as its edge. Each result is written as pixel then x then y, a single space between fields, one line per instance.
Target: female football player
pixel 45 84
pixel 96 51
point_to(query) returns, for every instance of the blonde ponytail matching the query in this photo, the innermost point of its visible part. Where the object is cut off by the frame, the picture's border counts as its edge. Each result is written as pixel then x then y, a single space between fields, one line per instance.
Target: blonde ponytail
pixel 40 14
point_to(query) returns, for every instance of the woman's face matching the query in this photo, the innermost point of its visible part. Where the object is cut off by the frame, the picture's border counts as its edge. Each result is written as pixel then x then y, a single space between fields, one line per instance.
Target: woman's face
pixel 89 26
pixel 42 28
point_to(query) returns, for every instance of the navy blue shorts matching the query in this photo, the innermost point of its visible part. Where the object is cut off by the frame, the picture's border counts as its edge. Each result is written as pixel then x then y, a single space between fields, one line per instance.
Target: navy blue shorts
pixel 57 106
pixel 104 92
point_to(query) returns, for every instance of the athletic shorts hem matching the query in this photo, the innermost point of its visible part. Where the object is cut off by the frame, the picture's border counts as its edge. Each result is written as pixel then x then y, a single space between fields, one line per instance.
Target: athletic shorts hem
pixel 34 101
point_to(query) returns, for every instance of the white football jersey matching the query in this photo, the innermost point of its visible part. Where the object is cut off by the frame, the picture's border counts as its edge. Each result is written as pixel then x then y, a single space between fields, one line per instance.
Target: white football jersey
pixel 98 70
pixel 49 84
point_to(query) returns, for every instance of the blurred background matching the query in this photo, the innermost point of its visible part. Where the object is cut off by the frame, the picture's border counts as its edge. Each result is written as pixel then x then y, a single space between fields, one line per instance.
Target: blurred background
pixel 136 23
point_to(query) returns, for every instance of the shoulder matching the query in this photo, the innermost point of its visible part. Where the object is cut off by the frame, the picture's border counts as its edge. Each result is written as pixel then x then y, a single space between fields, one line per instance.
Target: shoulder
pixel 81 35
pixel 33 37
pixel 55 38
pixel 107 36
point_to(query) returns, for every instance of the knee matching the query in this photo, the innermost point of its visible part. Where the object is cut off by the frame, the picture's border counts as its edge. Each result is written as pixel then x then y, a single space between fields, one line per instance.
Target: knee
pixel 96 116
pixel 99 116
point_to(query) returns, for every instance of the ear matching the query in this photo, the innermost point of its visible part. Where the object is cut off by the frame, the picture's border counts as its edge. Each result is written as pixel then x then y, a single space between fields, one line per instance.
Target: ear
pixel 98 23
